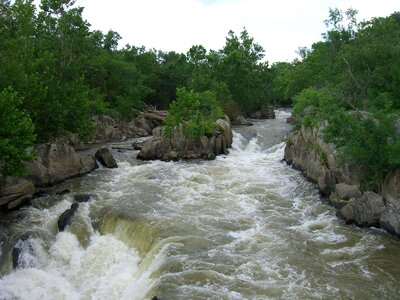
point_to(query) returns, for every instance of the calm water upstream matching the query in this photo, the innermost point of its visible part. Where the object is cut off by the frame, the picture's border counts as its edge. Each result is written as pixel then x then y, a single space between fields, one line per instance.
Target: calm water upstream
pixel 245 226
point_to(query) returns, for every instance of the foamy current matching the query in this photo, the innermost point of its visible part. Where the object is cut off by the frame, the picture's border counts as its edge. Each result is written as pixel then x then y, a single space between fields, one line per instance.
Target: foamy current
pixel 245 226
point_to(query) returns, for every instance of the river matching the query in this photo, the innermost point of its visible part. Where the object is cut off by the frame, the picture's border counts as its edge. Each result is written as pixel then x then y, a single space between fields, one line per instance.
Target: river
pixel 245 226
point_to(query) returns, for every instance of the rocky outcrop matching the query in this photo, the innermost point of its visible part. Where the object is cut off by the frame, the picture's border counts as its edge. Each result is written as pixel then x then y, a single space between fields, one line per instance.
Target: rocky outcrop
pixel 109 130
pixel 179 147
pixel 267 113
pixel 240 120
pixel 57 162
pixel 306 151
pixel 15 193
pixel 105 157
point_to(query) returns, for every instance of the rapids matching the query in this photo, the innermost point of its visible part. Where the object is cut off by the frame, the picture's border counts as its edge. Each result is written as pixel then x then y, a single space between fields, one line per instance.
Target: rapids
pixel 245 226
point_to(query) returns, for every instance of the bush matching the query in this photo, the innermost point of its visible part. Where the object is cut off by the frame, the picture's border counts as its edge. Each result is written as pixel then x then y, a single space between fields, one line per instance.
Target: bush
pixel 16 135
pixel 196 112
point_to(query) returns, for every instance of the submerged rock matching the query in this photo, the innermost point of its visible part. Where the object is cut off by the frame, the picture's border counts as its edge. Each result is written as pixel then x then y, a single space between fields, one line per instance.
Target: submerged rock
pixel 80 198
pixel 105 157
pixel 66 217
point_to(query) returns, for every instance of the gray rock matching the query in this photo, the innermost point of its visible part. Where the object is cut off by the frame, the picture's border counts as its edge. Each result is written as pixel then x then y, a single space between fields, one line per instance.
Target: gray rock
pixel 105 157
pixel 15 193
pixel 346 191
pixel 57 162
pixel 178 147
pixel 390 221
pixel 364 210
pixel 82 198
pixel 336 201
pixel 391 189
pixel 66 217
pixel 306 151
pixel 240 120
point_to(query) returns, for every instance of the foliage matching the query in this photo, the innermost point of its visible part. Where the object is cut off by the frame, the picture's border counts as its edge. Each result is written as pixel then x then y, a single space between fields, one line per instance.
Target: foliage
pixel 350 84
pixel 16 135
pixel 195 112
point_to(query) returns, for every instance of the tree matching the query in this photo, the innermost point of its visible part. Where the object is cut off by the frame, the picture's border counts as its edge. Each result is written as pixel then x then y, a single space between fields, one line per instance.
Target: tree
pixel 16 135
pixel 243 71
pixel 195 112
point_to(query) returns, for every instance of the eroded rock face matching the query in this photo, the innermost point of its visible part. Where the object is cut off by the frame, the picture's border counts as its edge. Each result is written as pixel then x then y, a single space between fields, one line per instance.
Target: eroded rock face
pixel 307 151
pixel 16 193
pixel 57 162
pixel 178 147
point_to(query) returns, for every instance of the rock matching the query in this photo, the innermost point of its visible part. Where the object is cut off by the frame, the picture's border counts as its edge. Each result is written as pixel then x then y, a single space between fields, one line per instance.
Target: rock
pixel 66 217
pixel 391 189
pixel 15 193
pixel 82 198
pixel 390 221
pixel 41 194
pixel 336 201
pixel 240 120
pixel 154 148
pixel 137 145
pixel 346 191
pixel 178 147
pixel 15 254
pixel 268 113
pixel 306 151
pixel 290 119
pixel 105 157
pixel 63 192
pixel 364 210
pixel 57 162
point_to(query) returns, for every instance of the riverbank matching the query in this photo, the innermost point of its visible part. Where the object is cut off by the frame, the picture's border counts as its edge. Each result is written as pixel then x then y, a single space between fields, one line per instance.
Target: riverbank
pixel 305 150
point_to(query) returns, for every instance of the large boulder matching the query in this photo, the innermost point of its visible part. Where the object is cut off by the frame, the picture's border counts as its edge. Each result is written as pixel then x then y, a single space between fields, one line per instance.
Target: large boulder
pixel 57 162
pixel 365 210
pixel 15 193
pixel 178 147
pixel 105 157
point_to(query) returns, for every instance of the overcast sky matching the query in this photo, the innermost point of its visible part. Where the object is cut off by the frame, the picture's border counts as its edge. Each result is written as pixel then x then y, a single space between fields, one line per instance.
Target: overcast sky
pixel 279 26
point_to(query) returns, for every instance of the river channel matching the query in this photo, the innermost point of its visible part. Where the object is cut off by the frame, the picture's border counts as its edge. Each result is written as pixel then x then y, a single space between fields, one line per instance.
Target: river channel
pixel 244 226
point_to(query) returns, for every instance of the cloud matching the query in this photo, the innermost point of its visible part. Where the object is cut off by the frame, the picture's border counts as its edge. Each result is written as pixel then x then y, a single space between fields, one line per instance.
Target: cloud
pixel 175 25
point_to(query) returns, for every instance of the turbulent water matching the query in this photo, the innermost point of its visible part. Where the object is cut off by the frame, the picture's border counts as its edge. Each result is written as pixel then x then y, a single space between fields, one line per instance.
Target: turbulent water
pixel 245 226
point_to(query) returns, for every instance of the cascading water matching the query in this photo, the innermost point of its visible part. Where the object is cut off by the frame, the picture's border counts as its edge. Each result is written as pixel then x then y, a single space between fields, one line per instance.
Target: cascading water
pixel 245 226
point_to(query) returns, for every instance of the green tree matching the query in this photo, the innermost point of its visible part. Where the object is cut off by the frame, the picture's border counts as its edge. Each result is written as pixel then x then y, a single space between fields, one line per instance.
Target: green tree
pixel 16 135
pixel 196 112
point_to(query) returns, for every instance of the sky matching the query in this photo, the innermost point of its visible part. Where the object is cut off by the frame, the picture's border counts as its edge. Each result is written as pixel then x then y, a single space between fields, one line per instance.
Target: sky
pixel 279 26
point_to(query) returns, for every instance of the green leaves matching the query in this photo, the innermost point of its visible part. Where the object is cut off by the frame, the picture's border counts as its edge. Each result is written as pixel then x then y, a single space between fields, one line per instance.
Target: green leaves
pixel 195 112
pixel 349 83
pixel 16 135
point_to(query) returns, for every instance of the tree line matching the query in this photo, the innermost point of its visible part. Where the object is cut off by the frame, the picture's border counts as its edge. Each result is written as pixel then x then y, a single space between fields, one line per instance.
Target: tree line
pixel 56 74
